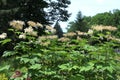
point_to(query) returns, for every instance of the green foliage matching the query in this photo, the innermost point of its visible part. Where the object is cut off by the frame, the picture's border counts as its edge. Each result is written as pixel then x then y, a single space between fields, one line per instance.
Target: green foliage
pixel 64 61
pixel 110 18
pixel 102 19
pixel 49 58
pixel 5 68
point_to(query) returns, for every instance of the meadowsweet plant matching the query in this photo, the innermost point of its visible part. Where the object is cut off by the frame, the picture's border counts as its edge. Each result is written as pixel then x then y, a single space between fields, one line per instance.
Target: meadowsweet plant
pixel 23 31
pixel 48 57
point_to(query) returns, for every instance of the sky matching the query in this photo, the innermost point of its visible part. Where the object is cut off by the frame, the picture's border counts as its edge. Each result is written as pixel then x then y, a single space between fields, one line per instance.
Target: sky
pixel 89 8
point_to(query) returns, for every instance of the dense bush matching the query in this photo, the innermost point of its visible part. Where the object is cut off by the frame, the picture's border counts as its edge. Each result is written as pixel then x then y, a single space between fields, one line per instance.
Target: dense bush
pixel 67 58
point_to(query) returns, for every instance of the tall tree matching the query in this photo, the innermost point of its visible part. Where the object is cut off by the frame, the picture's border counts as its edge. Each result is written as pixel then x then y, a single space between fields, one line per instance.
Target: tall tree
pixel 58 29
pixel 71 27
pixel 116 17
pixel 79 24
pixel 43 11
pixel 102 19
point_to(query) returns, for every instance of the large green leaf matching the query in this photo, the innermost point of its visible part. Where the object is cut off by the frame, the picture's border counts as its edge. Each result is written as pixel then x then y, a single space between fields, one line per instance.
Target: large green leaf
pixel 8 53
pixel 4 68
pixel 87 67
pixel 5 41
pixel 35 66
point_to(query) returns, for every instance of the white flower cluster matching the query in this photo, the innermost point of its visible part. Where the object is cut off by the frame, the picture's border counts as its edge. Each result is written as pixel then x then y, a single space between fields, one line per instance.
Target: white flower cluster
pixel 50 29
pixel 70 34
pixel 18 25
pixel 64 39
pixel 3 35
pixel 101 28
pixel 90 32
pixel 113 38
pixel 22 36
pixel 30 31
pixel 81 33
pixel 34 24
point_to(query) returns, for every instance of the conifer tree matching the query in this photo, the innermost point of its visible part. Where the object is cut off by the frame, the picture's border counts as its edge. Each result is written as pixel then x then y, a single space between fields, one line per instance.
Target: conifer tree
pixel 59 31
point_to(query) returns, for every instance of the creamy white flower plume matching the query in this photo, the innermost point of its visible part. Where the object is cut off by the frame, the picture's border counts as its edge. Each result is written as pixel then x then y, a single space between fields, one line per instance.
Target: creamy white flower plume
pixel 3 35
pixel 30 31
pixel 22 36
pixel 31 23
pixel 90 31
pixel 16 24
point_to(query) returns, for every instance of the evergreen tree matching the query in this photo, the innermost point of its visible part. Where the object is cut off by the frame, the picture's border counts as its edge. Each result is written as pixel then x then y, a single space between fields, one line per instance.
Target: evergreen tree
pixel 79 24
pixel 58 29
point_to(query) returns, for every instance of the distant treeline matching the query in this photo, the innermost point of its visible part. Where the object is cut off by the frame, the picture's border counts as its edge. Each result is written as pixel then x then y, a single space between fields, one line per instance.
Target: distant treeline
pixel 83 23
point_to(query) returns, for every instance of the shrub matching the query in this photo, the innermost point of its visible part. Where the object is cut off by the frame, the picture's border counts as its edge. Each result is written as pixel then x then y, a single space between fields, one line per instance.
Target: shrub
pixel 50 58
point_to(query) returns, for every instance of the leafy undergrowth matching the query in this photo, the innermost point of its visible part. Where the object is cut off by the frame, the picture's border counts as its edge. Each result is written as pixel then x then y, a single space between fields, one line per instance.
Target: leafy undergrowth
pixel 67 58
